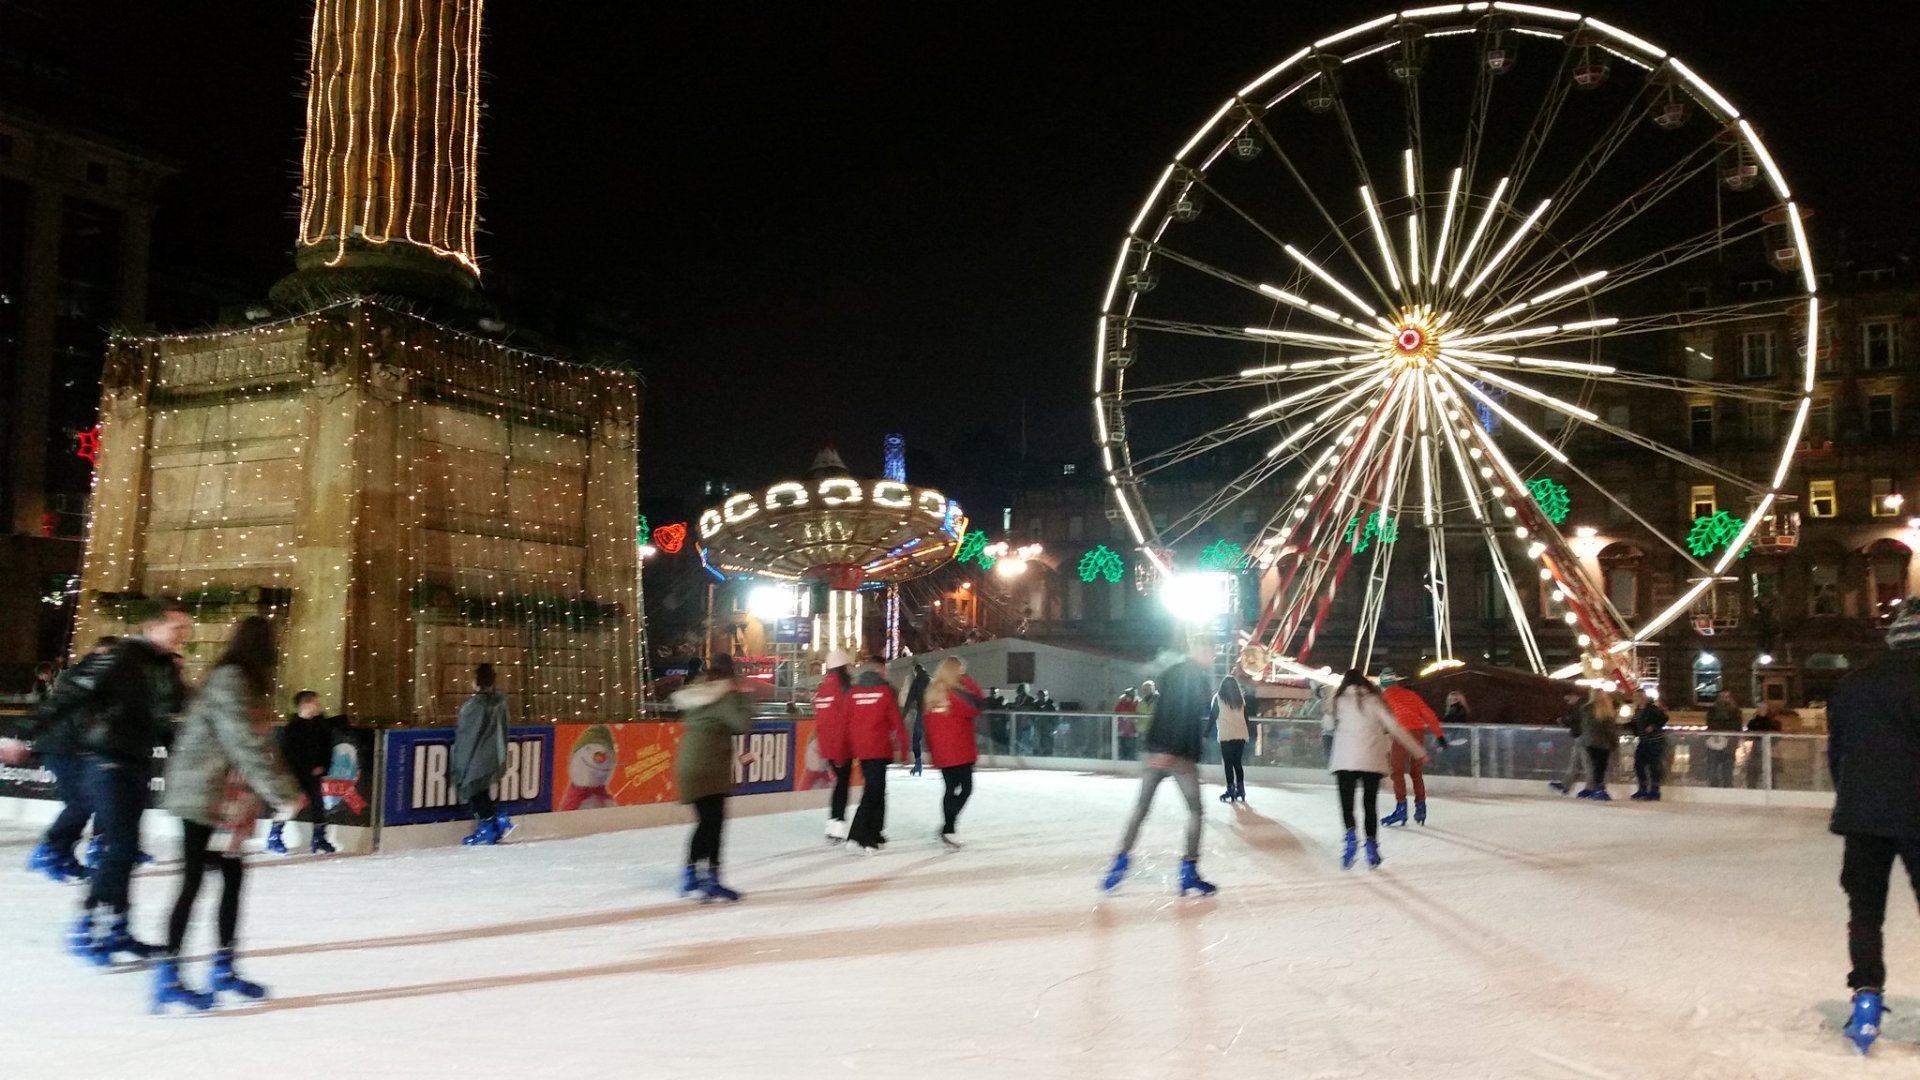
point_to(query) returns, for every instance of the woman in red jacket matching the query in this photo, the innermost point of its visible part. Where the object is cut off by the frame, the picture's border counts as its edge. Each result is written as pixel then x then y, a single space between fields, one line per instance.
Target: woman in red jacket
pixel 878 738
pixel 952 701
pixel 830 735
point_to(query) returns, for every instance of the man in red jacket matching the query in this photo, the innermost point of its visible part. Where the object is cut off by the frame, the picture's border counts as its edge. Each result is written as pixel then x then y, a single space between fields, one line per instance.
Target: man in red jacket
pixel 879 738
pixel 1417 717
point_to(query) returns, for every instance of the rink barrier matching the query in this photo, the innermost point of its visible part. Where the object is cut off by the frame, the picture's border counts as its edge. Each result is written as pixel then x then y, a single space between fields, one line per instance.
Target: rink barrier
pixel 1498 759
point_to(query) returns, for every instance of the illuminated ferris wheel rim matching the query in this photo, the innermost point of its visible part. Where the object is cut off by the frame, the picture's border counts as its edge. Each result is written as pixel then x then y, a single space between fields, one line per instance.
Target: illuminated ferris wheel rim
pixel 1356 329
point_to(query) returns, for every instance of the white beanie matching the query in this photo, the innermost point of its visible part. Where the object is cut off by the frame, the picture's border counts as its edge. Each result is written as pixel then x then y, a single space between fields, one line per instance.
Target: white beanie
pixel 837 658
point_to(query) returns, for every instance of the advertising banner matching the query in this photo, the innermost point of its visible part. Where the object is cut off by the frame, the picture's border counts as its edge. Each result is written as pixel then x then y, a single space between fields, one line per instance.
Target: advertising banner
pixel 772 746
pixel 347 789
pixel 30 781
pixel 418 790
pixel 601 765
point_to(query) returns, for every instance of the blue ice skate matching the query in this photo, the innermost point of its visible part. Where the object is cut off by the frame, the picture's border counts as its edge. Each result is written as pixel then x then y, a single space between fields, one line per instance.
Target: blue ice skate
pixel 1190 879
pixel 1347 852
pixel 1399 815
pixel 228 981
pixel 169 990
pixel 1115 873
pixel 1864 1025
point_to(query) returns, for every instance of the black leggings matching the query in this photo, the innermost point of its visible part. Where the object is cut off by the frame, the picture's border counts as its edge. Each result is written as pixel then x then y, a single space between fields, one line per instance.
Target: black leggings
pixel 483 805
pixel 842 783
pixel 1599 757
pixel 711 812
pixel 194 851
pixel 959 779
pixel 1369 784
pixel 1231 751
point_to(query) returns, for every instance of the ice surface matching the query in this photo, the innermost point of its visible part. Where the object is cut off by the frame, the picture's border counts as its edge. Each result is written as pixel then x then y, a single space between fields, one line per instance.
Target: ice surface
pixel 1513 937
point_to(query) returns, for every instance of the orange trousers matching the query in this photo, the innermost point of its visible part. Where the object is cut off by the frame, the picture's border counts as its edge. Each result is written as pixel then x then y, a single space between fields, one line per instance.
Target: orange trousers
pixel 1403 763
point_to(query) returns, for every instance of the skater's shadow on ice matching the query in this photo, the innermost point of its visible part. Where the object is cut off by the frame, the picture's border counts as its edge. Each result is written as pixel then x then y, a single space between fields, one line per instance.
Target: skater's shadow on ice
pixel 1901 1024
pixel 956 933
pixel 900 877
pixel 1502 851
pixel 1264 834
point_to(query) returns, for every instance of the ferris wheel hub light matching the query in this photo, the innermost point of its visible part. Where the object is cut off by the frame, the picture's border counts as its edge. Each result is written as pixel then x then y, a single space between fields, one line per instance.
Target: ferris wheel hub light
pixel 1197 597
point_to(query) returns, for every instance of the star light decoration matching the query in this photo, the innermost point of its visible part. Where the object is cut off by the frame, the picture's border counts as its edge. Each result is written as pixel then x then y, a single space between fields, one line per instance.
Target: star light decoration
pixel 1102 562
pixel 1552 497
pixel 1711 533
pixel 1380 526
pixel 87 445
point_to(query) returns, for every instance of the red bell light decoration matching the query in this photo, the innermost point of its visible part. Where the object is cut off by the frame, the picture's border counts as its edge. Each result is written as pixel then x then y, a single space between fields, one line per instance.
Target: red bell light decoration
pixel 671 538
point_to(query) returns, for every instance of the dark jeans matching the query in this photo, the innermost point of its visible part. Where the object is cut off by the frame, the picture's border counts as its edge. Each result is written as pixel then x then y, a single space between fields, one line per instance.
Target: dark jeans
pixel 711 814
pixel 119 798
pixel 195 838
pixel 959 781
pixel 1650 764
pixel 1231 751
pixel 1369 784
pixel 315 811
pixel 918 732
pixel 483 805
pixel 1598 758
pixel 70 786
pixel 842 783
pixel 870 820
pixel 1720 764
pixel 1865 873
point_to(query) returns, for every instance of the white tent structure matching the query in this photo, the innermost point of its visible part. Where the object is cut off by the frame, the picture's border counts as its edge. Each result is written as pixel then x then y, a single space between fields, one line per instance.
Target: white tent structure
pixel 1079 680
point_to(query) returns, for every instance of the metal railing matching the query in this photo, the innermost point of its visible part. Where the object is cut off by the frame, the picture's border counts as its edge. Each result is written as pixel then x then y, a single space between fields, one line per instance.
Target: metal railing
pixel 1692 758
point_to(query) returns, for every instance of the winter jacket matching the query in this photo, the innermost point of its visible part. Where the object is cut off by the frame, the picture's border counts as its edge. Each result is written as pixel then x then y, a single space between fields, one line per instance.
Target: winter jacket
pixel 57 723
pixel 874 727
pixel 711 713
pixel 1230 720
pixel 1364 727
pixel 915 692
pixel 307 744
pixel 1412 711
pixel 1181 710
pixel 479 744
pixel 1145 710
pixel 951 740
pixel 1763 722
pixel 1873 748
pixel 830 719
pixel 1457 714
pixel 1650 723
pixel 228 729
pixel 1723 717
pixel 1599 728
pixel 122 703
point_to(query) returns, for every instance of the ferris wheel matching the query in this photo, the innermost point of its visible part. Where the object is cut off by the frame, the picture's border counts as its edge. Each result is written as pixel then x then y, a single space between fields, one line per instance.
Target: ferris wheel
pixel 1404 291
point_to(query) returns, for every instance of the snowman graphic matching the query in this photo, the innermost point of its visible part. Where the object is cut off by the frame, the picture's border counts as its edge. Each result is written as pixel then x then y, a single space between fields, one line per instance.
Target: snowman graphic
pixel 590 767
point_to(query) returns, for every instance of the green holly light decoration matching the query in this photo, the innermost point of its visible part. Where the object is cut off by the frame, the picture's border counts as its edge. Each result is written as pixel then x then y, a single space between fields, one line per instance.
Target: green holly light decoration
pixel 1220 555
pixel 1102 562
pixel 1381 526
pixel 644 531
pixel 971 545
pixel 1552 497
pixel 1712 533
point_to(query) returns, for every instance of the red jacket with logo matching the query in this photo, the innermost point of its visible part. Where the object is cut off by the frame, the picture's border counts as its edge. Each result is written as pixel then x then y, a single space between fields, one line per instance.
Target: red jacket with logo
pixel 949 727
pixel 830 720
pixel 873 720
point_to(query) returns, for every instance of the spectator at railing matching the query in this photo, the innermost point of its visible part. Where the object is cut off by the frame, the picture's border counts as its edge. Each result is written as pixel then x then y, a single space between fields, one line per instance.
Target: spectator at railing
pixel 1128 733
pixel 1762 722
pixel 1650 752
pixel 1457 710
pixel 1573 718
pixel 1600 736
pixel 1723 716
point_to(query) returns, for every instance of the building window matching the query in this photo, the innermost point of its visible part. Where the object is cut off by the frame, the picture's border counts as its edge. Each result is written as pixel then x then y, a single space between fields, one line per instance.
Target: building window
pixel 1620 415
pixel 1823 589
pixel 1699 296
pixel 1766 584
pixel 1887 499
pixel 1698 353
pixel 1756 354
pixel 1069 469
pixel 1700 426
pixel 1755 286
pixel 1076 599
pixel 1623 589
pixel 1760 416
pixel 1879 344
pixel 1888 577
pixel 1878 276
pixel 1705 502
pixel 1706 679
pixel 1880 416
pixel 1821 502
pixel 1076 527
pixel 1824 358
pixel 96 172
pixel 1820 421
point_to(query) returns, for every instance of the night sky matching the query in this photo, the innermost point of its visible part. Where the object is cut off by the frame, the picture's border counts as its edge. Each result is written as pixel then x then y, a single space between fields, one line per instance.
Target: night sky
pixel 833 221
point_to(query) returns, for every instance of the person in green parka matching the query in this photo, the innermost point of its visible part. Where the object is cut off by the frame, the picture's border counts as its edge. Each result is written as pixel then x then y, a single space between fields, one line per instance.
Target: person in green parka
pixel 712 711
pixel 479 757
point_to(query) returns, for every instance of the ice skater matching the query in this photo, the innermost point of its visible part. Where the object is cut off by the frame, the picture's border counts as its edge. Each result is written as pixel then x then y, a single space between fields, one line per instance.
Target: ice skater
pixel 1650 747
pixel 878 738
pixel 1230 723
pixel 912 705
pixel 830 735
pixel 480 758
pixel 1599 737
pixel 55 728
pixel 1181 710
pixel 1363 728
pixel 1573 717
pixel 1417 717
pixel 951 702
pixel 712 711
pixel 223 755
pixel 306 744
pixel 1873 752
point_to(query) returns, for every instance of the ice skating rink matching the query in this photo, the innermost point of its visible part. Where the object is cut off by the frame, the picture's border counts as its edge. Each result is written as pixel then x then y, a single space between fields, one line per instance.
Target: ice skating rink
pixel 1513 937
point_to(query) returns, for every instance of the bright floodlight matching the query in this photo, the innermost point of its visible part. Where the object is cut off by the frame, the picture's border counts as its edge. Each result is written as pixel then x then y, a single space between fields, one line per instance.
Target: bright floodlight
pixel 1197 597
pixel 769 602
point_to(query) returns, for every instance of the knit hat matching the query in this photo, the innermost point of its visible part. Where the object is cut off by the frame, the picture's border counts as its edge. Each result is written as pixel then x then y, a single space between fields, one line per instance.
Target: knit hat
pixel 1388 676
pixel 837 658
pixel 596 733
pixel 1905 631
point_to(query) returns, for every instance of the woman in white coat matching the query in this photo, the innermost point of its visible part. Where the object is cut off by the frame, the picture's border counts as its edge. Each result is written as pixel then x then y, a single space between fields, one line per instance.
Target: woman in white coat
pixel 1363 730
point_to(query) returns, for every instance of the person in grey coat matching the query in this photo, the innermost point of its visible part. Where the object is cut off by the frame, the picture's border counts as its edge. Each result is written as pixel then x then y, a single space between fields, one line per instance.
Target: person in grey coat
pixel 480 757
pixel 712 711
pixel 222 755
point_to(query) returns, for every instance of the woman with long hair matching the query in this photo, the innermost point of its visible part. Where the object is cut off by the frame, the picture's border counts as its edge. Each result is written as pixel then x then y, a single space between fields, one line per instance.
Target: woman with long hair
pixel 1230 722
pixel 712 711
pixel 1363 729
pixel 951 701
pixel 223 753
pixel 830 737
pixel 1599 735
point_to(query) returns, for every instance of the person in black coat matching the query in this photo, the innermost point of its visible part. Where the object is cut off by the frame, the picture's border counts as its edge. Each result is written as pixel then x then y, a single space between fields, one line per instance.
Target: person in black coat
pixel 1173 745
pixel 1650 749
pixel 55 730
pixel 306 743
pixel 1873 752
pixel 911 705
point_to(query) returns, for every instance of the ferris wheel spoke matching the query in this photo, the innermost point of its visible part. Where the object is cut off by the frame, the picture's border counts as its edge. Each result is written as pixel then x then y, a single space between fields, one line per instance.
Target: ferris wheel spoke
pixel 1326 315
pixel 1544 119
pixel 1679 320
pixel 1236 333
pixel 1333 225
pixel 1602 373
